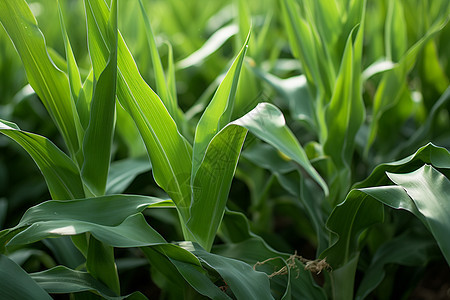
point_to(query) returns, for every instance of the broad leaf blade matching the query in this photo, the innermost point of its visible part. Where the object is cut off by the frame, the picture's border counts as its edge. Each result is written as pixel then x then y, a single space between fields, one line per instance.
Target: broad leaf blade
pixel 60 173
pixel 60 280
pixel 268 123
pixel 169 152
pixel 218 112
pixel 396 251
pixel 212 182
pixel 49 82
pixel 174 261
pixel 106 210
pixel 245 282
pixel 123 172
pixel 15 283
pixel 132 232
pixel 162 88
pixel 430 191
pixel 99 133
pixel 346 222
pixel 72 68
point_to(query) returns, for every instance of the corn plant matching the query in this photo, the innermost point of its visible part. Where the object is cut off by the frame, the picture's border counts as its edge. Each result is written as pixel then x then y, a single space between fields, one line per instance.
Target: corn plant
pixel 90 219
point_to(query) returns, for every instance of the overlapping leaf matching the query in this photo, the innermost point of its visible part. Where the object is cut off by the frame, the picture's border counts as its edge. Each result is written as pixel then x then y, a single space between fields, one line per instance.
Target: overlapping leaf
pixel 50 83
pixel 170 153
pixel 61 174
pixel 15 283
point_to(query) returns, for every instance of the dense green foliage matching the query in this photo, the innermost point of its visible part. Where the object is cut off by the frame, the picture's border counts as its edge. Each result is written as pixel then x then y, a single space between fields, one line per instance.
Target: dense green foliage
pixel 277 149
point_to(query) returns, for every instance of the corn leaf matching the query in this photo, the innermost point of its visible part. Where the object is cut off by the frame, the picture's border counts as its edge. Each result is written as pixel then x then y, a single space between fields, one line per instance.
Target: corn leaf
pixel 218 113
pixel 360 210
pixel 294 91
pixel 429 154
pixel 50 83
pixel 60 173
pixel 211 45
pixel 430 191
pixel 169 152
pixel 268 124
pixel 212 184
pixel 92 209
pixel 162 88
pixel 85 98
pixel 325 15
pixel 100 263
pixel 15 283
pixel 72 68
pixel 120 225
pixel 344 116
pixel 346 222
pixel 61 280
pixel 132 232
pixel 65 252
pixel 123 172
pixel 245 282
pixel 345 113
pixel 302 43
pixel 99 133
pixel 390 87
pixel 174 261
pixel 396 251
pixel 243 245
pixel 396 34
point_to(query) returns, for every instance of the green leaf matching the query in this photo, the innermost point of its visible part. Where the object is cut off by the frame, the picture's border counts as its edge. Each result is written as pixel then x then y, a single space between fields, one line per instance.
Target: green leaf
pixel 345 113
pixel 123 172
pixel 395 251
pixel 294 90
pixel 132 232
pixel 268 124
pixel 65 252
pixel 106 210
pixel 243 245
pixel 72 68
pixel 395 32
pixel 430 191
pixel 60 173
pixel 15 283
pixel 101 265
pixel 245 282
pixel 346 223
pixel 390 87
pixel 115 220
pixel 212 184
pixel 85 98
pixel 423 132
pixel 344 116
pixel 174 261
pixel 428 154
pixel 169 152
pixel 99 133
pixel 214 42
pixel 218 113
pixel 162 88
pixel 307 47
pixel 62 280
pixel 51 84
